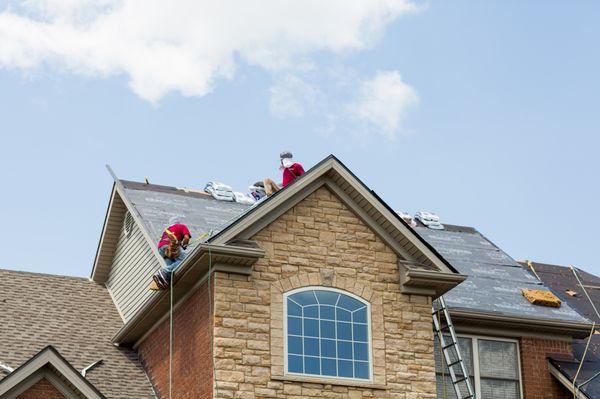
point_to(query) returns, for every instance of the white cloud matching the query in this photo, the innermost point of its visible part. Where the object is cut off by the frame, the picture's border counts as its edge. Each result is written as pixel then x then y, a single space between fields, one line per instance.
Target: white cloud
pixel 185 45
pixel 383 102
pixel 292 97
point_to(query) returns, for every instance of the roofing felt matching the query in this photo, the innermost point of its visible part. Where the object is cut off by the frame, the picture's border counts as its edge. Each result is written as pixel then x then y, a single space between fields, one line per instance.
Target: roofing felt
pixel 495 280
pixel 78 318
pixel 560 279
pixel 200 212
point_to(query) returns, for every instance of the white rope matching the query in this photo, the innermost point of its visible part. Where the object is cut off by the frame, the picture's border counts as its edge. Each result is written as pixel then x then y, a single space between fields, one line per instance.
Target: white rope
pixel 585 291
pixel 171 338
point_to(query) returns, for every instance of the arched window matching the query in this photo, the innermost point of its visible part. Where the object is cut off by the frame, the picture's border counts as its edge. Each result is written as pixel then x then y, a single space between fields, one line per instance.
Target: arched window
pixel 327 334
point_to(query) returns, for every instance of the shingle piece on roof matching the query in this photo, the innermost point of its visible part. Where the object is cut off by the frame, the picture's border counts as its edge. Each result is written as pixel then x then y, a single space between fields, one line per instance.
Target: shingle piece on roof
pixel 495 279
pixel 78 318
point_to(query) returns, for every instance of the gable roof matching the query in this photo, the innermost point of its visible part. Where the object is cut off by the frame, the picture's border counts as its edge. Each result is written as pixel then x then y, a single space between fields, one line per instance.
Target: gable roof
pixel 494 283
pixel 330 173
pixel 49 364
pixel 78 318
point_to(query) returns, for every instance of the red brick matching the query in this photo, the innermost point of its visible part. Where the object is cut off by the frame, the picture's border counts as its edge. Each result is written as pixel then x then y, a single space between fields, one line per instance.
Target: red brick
pixel 192 363
pixel 538 383
pixel 42 389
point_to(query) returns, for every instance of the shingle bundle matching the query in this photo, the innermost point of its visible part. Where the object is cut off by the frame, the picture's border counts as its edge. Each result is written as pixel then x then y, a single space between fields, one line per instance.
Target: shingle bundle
pixel 219 191
pixel 429 219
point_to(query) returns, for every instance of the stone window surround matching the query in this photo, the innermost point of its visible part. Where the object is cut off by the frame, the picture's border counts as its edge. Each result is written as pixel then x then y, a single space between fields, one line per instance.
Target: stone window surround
pixel 327 279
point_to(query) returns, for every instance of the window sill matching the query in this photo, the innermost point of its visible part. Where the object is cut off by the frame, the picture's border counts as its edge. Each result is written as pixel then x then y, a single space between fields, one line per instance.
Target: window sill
pixel 329 381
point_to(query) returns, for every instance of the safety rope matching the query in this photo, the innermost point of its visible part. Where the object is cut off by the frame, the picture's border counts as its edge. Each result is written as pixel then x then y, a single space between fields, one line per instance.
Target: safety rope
pixel 576 388
pixel 210 321
pixel 171 338
pixel 530 264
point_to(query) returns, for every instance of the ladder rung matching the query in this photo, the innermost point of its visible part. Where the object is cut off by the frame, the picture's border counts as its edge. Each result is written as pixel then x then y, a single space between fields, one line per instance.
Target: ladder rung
pixel 454 362
pixel 468 396
pixel 448 345
pixel 460 380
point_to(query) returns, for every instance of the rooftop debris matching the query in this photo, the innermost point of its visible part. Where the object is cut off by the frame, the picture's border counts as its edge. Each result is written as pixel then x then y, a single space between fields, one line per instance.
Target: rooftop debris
pixel 542 298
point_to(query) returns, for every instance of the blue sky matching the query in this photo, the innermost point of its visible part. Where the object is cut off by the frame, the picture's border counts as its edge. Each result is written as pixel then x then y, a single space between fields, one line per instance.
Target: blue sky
pixel 483 112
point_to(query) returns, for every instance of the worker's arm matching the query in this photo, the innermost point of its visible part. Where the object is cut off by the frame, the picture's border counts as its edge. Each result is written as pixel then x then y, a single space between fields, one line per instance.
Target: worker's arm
pixel 185 241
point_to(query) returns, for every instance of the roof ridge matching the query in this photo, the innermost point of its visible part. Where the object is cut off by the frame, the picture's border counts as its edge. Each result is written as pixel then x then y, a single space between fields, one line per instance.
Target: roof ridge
pixel 44 274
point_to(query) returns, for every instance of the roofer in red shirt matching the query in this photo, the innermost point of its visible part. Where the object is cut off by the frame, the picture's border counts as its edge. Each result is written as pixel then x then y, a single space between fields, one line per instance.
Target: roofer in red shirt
pixel 174 240
pixel 291 171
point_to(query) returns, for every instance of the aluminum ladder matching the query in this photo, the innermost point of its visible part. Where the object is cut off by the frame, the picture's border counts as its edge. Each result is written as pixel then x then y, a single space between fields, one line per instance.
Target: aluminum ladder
pixel 451 350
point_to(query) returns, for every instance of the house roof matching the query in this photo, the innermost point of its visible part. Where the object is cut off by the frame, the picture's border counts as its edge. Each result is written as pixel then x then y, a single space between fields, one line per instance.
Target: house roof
pixel 242 222
pixel 201 213
pixel 561 279
pixel 48 364
pixel 495 280
pixel 77 317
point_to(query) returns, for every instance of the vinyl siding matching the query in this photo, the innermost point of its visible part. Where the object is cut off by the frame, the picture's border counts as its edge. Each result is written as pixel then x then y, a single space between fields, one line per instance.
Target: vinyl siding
pixel 131 272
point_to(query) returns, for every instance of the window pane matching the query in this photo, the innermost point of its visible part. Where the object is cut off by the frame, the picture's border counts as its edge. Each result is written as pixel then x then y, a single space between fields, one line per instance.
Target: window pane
pixel 295 364
pixel 328 348
pixel 311 346
pixel 328 297
pixel 344 368
pixel 328 367
pixel 498 359
pixel 464 345
pixel 295 345
pixel 312 365
pixel 445 389
pixel 360 316
pixel 360 332
pixel 349 303
pixel 327 312
pixel 342 314
pixel 344 331
pixel 327 329
pixel 344 350
pixel 499 389
pixel 361 351
pixel 311 328
pixel 304 298
pixel 294 325
pixel 361 369
pixel 311 311
pixel 293 309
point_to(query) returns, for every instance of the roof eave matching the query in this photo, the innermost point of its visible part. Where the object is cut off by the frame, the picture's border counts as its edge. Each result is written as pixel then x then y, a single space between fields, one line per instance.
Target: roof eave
pixel 193 270
pixel 573 329
pixel 428 282
pixel 565 381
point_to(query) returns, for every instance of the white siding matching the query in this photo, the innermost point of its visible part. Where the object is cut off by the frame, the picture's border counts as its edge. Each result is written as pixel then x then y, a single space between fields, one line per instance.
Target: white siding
pixel 130 276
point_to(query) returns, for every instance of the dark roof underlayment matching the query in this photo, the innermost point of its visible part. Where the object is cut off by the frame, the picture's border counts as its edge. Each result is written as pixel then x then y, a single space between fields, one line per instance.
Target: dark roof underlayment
pixel 200 212
pixel 495 279
pixel 78 318
pixel 561 279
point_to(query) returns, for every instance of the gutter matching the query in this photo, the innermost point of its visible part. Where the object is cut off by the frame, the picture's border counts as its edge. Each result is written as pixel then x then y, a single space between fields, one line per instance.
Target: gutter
pixel 574 329
pixel 225 258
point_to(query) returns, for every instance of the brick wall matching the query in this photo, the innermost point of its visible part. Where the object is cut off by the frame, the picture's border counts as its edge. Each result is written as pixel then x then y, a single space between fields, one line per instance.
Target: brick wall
pixel 538 383
pixel 320 242
pixel 42 389
pixel 192 364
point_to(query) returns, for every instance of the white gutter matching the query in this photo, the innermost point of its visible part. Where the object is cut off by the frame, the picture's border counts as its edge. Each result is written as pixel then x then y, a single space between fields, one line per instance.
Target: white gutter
pixel 6 368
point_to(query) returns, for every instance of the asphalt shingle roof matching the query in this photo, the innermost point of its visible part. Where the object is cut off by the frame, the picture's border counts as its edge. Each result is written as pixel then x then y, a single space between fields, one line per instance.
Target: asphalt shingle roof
pixel 78 318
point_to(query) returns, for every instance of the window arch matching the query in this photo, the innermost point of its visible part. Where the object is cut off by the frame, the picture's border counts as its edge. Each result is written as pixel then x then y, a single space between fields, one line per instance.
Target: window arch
pixel 327 334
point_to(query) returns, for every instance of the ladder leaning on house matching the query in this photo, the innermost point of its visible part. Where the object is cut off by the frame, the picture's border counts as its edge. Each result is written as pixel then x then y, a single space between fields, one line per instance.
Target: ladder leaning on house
pixel 453 359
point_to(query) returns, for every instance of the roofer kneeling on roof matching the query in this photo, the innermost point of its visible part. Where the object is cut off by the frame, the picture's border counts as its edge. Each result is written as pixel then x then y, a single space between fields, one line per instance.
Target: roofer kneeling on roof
pixel 174 240
pixel 291 171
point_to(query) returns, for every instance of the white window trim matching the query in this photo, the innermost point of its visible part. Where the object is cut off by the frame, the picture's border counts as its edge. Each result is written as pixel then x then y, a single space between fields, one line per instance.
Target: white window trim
pixel 317 376
pixel 475 353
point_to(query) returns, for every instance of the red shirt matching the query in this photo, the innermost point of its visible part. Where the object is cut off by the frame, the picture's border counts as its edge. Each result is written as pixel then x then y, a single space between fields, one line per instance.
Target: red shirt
pixel 178 229
pixel 290 174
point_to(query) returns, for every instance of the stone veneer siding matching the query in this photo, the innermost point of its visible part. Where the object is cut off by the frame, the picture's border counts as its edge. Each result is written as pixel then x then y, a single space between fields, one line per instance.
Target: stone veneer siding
pixel 538 383
pixel 320 242
pixel 42 389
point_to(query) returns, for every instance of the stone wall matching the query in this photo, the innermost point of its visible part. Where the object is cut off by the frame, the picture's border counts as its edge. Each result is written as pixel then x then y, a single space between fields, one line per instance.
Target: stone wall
pixel 320 242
